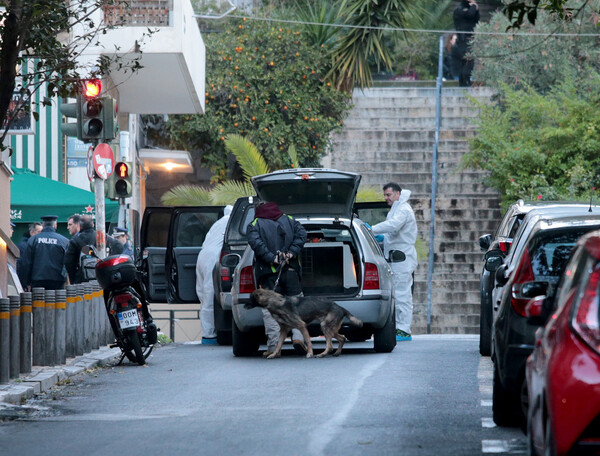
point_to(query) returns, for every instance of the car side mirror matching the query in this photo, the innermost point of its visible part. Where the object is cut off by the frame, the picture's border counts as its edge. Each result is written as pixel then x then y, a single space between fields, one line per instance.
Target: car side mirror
pixel 231 260
pixel 397 256
pixel 501 279
pixel 485 241
pixel 493 260
pixel 534 289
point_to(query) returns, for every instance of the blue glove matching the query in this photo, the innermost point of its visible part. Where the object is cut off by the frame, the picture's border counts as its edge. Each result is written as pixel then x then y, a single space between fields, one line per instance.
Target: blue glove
pixel 378 237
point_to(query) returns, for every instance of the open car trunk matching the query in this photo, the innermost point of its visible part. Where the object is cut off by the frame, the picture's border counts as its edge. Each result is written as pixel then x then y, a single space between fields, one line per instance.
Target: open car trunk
pixel 330 262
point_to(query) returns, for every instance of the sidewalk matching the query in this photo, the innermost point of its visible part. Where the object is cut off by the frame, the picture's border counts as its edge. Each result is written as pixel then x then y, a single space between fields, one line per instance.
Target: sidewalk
pixel 43 378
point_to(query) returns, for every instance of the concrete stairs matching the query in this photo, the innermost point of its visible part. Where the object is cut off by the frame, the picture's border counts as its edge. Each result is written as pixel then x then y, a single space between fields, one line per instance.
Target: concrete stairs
pixel 389 136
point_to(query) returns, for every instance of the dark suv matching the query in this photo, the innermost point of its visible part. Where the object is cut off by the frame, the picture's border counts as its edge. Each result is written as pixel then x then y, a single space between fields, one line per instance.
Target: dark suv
pixel 541 249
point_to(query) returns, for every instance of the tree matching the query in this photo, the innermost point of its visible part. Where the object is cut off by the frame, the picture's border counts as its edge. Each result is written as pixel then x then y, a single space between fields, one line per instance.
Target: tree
pixel 542 57
pixel 39 47
pixel 267 84
pixel 517 10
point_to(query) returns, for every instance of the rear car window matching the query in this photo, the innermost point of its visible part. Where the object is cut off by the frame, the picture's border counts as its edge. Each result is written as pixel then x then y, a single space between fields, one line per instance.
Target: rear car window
pixel 283 193
pixel 158 229
pixel 238 224
pixel 551 250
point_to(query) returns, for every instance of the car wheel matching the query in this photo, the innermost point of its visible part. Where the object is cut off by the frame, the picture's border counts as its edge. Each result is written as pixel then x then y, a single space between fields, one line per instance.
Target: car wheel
pixel 244 343
pixel 503 403
pixel 485 324
pixel 222 324
pixel 384 339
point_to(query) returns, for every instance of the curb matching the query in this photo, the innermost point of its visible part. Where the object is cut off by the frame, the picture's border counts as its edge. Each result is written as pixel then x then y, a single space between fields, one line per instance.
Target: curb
pixel 43 378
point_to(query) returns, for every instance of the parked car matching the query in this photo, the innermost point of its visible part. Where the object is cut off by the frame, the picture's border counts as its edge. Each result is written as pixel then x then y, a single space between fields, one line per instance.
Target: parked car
pixel 170 240
pixel 236 240
pixel 341 259
pixel 498 247
pixel 543 245
pixel 563 372
pixel 499 242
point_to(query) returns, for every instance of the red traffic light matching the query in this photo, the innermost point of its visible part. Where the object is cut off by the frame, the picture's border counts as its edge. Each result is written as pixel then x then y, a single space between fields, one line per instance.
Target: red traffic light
pixel 92 88
pixel 122 170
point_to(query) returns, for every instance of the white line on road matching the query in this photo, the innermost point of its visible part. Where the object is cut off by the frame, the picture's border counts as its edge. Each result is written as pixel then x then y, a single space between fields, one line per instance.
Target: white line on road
pixel 323 434
pixel 495 446
pixel 488 423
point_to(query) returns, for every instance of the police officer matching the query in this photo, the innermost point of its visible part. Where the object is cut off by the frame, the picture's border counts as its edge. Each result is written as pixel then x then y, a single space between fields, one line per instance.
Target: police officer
pixel 44 261
pixel 86 236
pixel 122 235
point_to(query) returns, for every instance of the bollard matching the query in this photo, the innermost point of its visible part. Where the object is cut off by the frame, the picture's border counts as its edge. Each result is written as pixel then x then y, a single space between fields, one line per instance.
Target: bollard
pixel 15 336
pixel 87 317
pixel 49 326
pixel 70 321
pixel 60 336
pixel 25 333
pixel 79 320
pixel 95 335
pixel 39 333
pixel 100 326
pixel 4 340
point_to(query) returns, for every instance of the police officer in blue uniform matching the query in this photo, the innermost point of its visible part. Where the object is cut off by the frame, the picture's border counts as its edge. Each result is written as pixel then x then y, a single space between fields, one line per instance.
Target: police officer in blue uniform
pixel 44 260
pixel 122 235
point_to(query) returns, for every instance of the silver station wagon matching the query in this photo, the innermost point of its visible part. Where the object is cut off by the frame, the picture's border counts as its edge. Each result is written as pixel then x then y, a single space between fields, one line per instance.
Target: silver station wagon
pixel 341 259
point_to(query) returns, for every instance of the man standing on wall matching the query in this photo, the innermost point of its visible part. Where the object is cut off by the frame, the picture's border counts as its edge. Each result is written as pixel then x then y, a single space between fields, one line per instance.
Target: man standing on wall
pixel 400 233
pixel 466 17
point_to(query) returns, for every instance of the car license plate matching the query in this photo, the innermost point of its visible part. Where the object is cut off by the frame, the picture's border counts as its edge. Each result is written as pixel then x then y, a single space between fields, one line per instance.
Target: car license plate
pixel 128 319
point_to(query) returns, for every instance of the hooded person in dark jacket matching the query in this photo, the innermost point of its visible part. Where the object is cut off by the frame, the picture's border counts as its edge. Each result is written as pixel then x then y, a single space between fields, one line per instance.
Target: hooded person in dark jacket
pixel 466 17
pixel 277 240
pixel 86 236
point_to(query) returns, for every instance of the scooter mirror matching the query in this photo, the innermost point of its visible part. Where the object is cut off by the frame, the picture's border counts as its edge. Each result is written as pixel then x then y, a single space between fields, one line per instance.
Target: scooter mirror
pixel 89 250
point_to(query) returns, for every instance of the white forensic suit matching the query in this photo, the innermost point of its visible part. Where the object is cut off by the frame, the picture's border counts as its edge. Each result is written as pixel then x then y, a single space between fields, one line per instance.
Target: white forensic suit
pixel 400 233
pixel 207 259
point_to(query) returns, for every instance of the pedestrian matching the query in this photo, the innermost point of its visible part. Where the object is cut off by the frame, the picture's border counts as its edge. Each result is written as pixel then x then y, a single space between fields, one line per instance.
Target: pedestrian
pixel 122 235
pixel 44 258
pixel 277 240
pixel 450 71
pixel 208 258
pixel 86 236
pixel 73 224
pixel 466 17
pixel 400 233
pixel 33 229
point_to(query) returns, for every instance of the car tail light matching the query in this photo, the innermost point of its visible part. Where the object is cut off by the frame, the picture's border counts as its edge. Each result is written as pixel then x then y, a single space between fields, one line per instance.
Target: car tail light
pixel 123 299
pixel 504 246
pixel 523 275
pixel 585 320
pixel 371 277
pixel 247 280
pixel 225 277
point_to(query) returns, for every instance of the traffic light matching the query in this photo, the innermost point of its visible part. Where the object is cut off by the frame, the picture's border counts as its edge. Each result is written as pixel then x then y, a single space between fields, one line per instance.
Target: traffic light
pixel 91 108
pixel 72 110
pixel 111 125
pixel 122 180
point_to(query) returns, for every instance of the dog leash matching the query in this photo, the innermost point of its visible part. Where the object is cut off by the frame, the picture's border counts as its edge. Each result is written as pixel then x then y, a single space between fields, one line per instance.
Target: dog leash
pixel 279 274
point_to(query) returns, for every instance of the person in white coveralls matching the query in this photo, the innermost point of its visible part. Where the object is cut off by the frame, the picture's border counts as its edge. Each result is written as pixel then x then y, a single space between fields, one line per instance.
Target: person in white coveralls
pixel 207 259
pixel 400 233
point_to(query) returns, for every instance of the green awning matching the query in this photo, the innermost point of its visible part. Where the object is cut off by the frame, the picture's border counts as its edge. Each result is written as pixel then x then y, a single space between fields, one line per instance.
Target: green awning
pixel 33 196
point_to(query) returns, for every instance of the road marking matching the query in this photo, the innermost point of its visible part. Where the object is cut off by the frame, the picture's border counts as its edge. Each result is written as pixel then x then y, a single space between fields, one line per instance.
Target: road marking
pixel 323 434
pixel 488 423
pixel 495 446
pixel 486 403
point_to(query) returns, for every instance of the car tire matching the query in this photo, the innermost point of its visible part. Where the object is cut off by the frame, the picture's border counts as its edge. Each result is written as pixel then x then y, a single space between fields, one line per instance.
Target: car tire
pixel 243 343
pixel 485 324
pixel 503 403
pixel 384 339
pixel 223 320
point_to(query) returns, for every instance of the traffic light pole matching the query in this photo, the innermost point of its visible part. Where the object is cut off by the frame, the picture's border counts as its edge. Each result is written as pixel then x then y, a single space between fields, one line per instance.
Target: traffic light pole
pixel 100 216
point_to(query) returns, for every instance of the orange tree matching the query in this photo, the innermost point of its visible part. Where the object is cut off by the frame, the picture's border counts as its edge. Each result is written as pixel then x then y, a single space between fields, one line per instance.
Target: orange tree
pixel 266 83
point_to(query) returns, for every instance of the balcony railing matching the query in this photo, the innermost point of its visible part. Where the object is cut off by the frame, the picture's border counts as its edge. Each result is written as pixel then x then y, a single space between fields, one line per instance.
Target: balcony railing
pixel 139 13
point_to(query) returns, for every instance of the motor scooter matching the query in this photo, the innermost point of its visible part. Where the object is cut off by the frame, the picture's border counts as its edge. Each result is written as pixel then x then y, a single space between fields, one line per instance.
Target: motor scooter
pixel 126 307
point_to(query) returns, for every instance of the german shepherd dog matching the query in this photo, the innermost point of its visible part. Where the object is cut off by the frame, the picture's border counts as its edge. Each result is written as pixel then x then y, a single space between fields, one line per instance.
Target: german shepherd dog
pixel 296 312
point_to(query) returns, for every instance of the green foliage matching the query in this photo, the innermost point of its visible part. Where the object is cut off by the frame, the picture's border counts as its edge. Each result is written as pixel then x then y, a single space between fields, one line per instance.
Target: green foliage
pixel 369 193
pixel 540 146
pixel 187 195
pixel 538 61
pixel 265 83
pixel 517 10
pixel 247 155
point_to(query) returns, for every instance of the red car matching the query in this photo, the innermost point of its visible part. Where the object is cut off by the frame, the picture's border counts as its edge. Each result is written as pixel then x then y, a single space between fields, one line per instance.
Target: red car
pixel 563 372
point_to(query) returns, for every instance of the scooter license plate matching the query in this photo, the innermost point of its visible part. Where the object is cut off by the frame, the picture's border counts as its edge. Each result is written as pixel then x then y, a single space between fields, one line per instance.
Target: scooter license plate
pixel 128 319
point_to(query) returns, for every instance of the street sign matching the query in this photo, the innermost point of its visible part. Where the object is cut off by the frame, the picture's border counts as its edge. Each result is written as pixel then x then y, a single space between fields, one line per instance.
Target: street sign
pixel 90 163
pixel 103 159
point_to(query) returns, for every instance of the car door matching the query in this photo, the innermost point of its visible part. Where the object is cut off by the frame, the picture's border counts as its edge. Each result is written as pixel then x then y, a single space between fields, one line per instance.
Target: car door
pixel 154 235
pixel 187 230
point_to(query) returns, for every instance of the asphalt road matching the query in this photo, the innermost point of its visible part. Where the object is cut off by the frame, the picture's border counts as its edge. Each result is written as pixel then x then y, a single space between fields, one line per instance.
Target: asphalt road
pixel 431 396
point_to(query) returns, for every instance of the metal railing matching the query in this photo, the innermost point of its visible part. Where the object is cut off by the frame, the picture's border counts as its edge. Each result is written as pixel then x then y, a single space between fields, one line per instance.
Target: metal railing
pixel 139 13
